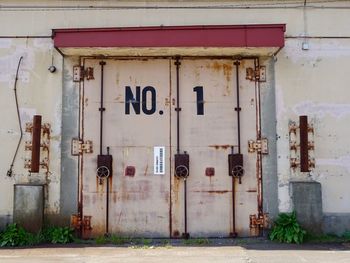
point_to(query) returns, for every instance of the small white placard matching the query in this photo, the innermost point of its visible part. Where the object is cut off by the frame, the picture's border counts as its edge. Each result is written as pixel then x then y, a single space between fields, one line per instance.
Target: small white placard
pixel 159 160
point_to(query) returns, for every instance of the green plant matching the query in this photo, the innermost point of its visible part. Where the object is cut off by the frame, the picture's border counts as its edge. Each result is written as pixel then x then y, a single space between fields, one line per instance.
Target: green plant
pixel 166 243
pixel 346 235
pixel 15 235
pixel 196 241
pixel 287 230
pixel 146 242
pixel 100 240
pixel 118 240
pixel 58 235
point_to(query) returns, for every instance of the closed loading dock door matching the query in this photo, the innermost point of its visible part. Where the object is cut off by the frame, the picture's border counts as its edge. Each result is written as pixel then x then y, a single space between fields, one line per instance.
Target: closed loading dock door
pixel 140 127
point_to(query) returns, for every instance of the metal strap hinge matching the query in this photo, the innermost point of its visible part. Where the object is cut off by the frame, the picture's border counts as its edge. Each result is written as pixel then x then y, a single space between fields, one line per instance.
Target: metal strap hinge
pixel 79 73
pixel 80 147
pixel 260 146
pixel 257 74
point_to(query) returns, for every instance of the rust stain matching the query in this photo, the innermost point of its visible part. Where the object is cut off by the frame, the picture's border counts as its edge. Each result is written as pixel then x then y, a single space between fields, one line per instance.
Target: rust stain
pixel 119 98
pixel 110 180
pixel 214 191
pixel 176 187
pixel 216 66
pixel 217 147
pixel 251 191
pixel 97 184
pixel 146 170
pixel 117 79
pixel 227 71
pixel 114 197
pixel 176 233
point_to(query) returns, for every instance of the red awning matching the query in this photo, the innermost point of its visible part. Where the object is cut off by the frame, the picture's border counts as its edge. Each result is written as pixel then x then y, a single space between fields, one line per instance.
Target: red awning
pixel 227 36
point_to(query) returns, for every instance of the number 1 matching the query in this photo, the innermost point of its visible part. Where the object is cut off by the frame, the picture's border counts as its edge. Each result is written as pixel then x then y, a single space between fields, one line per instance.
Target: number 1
pixel 200 100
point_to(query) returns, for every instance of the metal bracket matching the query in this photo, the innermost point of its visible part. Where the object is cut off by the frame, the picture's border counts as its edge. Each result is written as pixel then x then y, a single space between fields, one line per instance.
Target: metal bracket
pixel 81 224
pixel 79 73
pixel 260 146
pixel 27 163
pixel 79 147
pixel 257 74
pixel 257 222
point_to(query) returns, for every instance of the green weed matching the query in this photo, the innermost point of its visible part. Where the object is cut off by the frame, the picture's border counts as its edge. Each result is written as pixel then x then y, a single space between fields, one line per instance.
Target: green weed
pixel 196 241
pixel 287 230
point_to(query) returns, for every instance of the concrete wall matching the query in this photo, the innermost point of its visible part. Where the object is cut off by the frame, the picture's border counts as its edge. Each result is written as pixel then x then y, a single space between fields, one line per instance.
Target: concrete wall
pixel 39 92
pixel 312 82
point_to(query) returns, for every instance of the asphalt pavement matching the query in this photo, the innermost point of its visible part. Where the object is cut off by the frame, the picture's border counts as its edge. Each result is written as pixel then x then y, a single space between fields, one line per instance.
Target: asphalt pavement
pixel 217 252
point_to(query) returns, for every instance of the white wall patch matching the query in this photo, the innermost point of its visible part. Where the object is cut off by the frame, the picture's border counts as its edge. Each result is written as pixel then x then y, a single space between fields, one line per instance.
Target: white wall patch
pixel 159 160
pixel 5 43
pixel 321 109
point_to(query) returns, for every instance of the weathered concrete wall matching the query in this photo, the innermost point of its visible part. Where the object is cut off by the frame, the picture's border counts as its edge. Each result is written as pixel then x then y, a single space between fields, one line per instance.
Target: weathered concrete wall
pixel 311 82
pixel 28 208
pixel 39 92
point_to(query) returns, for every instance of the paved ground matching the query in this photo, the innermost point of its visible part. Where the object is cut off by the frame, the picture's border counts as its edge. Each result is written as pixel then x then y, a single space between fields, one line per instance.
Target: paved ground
pixel 214 253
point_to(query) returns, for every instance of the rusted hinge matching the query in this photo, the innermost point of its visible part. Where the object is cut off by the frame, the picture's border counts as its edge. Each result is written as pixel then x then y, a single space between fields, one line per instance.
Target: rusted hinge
pixel 80 147
pixel 79 73
pixel 257 74
pixel 260 146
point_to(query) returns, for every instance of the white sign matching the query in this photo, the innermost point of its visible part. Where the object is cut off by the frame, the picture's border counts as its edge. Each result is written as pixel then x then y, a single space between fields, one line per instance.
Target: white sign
pixel 159 160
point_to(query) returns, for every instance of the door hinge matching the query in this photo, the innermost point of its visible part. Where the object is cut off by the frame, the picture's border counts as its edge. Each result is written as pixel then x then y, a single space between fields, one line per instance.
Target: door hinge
pixel 257 74
pixel 80 147
pixel 260 146
pixel 79 73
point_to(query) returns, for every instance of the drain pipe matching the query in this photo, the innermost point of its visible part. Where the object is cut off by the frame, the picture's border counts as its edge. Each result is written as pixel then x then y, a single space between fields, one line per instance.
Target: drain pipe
pixel 10 171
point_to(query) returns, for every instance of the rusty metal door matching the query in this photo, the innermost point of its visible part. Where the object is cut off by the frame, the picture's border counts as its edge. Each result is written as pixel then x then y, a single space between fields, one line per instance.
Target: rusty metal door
pixel 140 129
pixel 208 131
pixel 136 128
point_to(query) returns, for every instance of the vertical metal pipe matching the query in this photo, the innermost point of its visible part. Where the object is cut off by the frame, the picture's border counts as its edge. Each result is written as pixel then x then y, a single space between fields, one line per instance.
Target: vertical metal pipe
pixel 36 136
pixel 102 109
pixel 238 108
pixel 177 63
pixel 107 199
pixel 185 196
pixel 258 135
pixel 81 159
pixel 304 151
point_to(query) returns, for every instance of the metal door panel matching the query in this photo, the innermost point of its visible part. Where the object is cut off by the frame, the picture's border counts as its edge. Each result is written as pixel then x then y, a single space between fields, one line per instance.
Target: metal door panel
pixel 131 138
pixel 208 139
